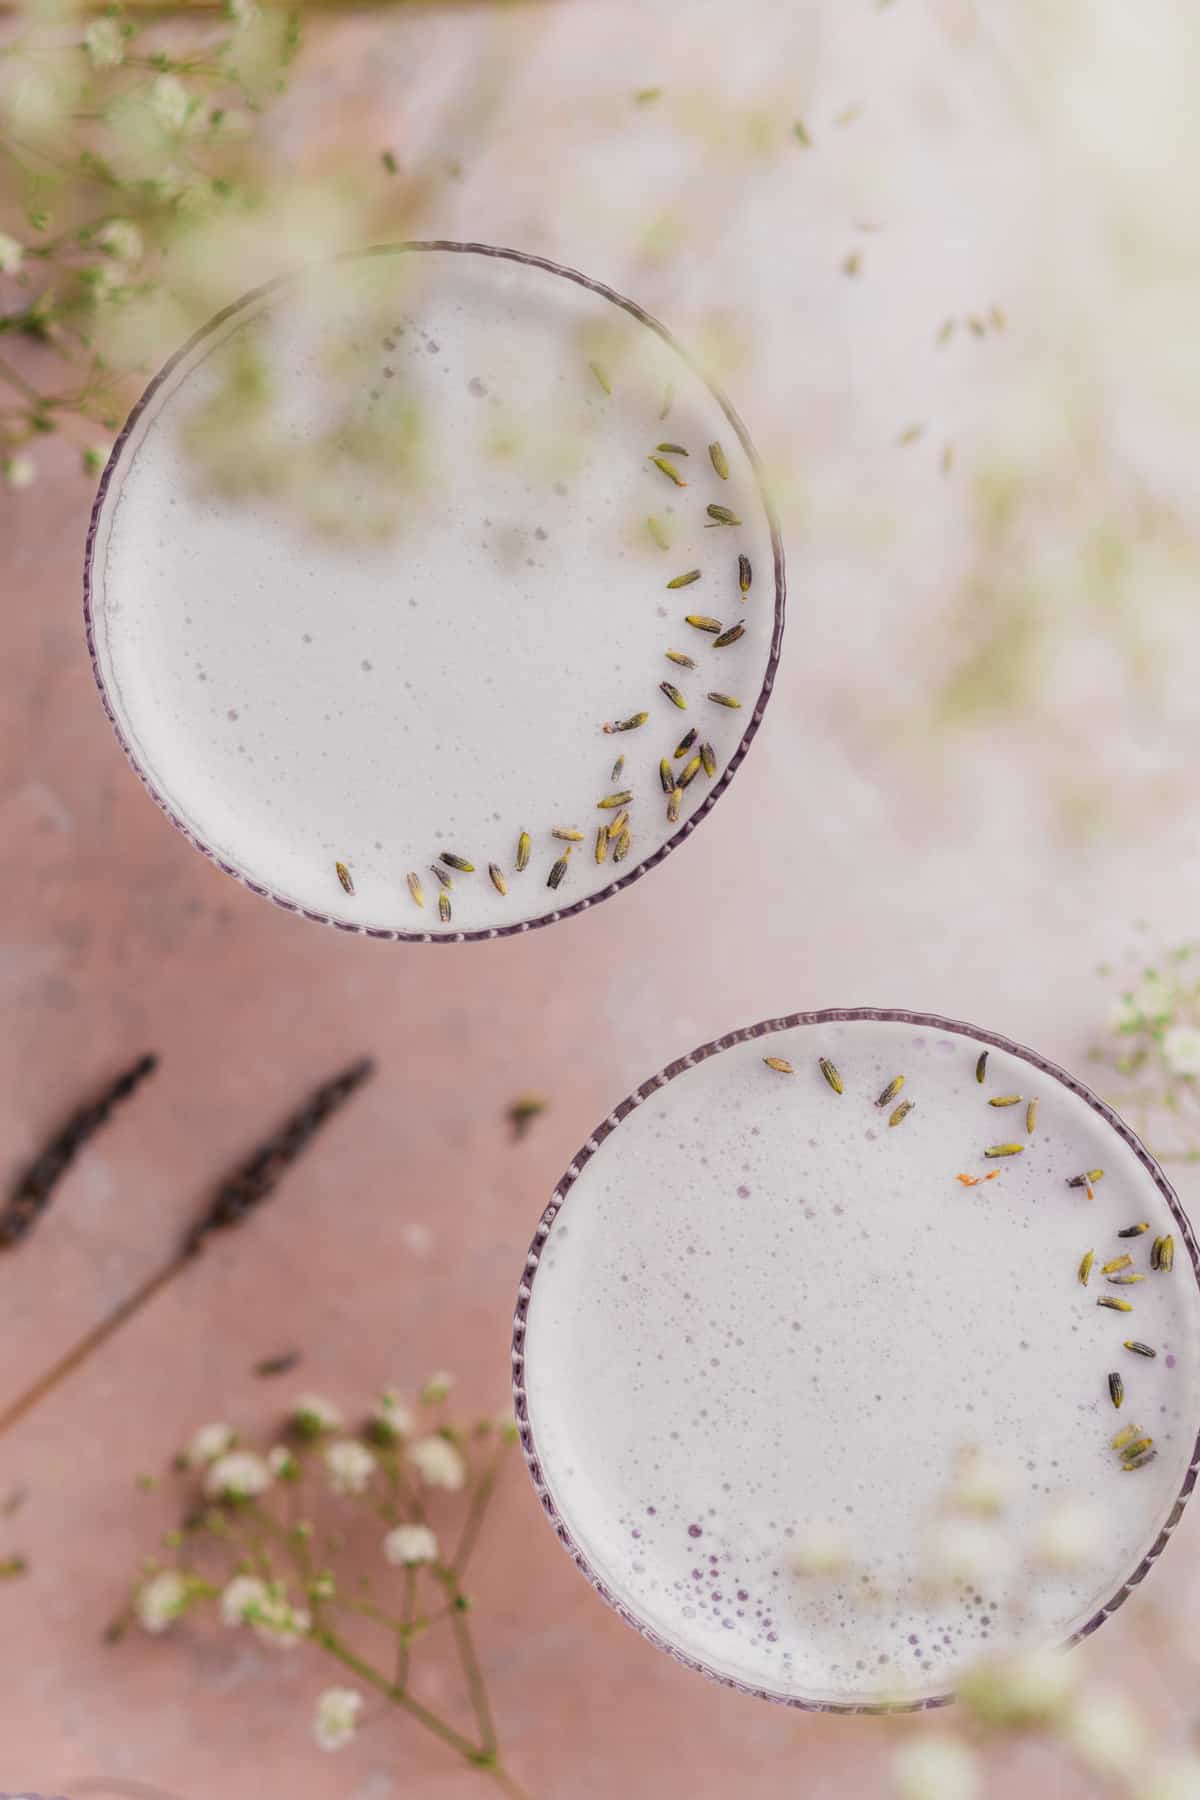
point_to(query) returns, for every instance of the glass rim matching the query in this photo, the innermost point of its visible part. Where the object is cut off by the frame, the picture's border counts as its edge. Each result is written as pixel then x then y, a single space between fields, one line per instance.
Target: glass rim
pixel 527 259
pixel 750 1034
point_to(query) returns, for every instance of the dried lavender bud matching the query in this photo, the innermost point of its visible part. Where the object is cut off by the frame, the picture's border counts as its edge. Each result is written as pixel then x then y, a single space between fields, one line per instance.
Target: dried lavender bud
pixel 33 1192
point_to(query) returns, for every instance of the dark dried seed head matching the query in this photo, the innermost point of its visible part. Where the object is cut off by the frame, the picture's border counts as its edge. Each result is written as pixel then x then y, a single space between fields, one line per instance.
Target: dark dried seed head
pixel 725 700
pixel 415 888
pixel 719 460
pixel 497 875
pixel 1085 1267
pixel 1135 1230
pixel 901 1113
pixel 781 1063
pixel 708 757
pixel 890 1091
pixel 682 581
pixel 685 743
pixel 1113 1304
pixel 1116 1389
pixel 558 871
pixel 601 850
pixel 745 574
pixel 344 876
pixel 831 1075
pixel 1139 1349
pixel 673 695
pixel 722 515
pixel 677 656
pixel 689 772
pixel 524 846
pixel 702 622
pixel 1004 1150
pixel 729 637
pixel 457 862
pixel 444 907
pixel 611 802
pixel 981 1067
pixel 622 846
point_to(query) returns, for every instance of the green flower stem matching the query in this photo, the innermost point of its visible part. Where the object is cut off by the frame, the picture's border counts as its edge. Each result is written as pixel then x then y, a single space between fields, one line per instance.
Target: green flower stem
pixel 407 1615
pixel 328 1640
pixel 476 1686
pixel 484 1489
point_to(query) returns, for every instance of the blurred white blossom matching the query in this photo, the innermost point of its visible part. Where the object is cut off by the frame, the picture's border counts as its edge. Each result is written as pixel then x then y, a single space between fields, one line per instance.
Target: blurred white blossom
pixel 437 1462
pixel 12 255
pixel 240 1596
pixel 1105 1732
pixel 960 1550
pixel 161 1600
pixel 982 1483
pixel 937 1767
pixel 820 1550
pixel 1020 1688
pixel 390 1417
pixel 1069 1535
pixel 170 103
pixel 350 1465
pixel 104 44
pixel 312 1414
pixel 410 1544
pixel 122 239
pixel 209 1442
pixel 335 1720
pixel 239 1475
pixel 18 471
pixel 437 1387
pixel 1171 1777
pixel 1181 1047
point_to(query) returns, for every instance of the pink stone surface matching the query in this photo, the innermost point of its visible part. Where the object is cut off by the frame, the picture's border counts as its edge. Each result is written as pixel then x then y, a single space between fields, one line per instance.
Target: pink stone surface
pixel 885 844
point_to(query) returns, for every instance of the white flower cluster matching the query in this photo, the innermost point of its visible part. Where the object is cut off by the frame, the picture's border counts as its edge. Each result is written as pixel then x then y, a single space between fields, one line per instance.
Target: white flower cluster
pixel 248 1600
pixel 208 1443
pixel 313 1415
pixel 335 1720
pixel 437 1462
pixel 238 1475
pixel 390 1417
pixel 410 1544
pixel 161 1600
pixel 12 255
pixel 350 1466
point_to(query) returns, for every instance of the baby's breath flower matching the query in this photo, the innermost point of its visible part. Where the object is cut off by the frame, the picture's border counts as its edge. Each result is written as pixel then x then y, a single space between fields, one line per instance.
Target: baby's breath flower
pixel 161 1600
pixel 935 1768
pixel 1105 1732
pixel 94 457
pixel 1069 1536
pixel 437 1387
pixel 240 1597
pixel 240 1475
pixel 981 1484
pixel 1028 1687
pixel 820 1550
pixel 1181 1047
pixel 104 44
pixel 437 1462
pixel 12 255
pixel 960 1549
pixel 282 1463
pixel 350 1465
pixel 323 1585
pixel 410 1544
pixel 312 1414
pixel 1169 1778
pixel 169 103
pixel 335 1720
pixel 277 1622
pixel 390 1418
pixel 506 1425
pixel 18 471
pixel 122 239
pixel 209 1442
pixel 242 12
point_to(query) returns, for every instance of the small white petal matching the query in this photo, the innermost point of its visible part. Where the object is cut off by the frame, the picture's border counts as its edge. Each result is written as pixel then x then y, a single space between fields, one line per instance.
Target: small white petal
pixel 935 1768
pixel 335 1719
pixel 410 1544
pixel 437 1462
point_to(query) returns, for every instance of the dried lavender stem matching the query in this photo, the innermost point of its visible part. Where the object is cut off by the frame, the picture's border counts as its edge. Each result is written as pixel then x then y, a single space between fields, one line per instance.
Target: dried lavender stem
pixel 239 1196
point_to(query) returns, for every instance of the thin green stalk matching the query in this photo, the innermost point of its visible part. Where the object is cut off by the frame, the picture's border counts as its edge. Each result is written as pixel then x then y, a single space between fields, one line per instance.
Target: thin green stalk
pixel 329 1641
pixel 484 1489
pixel 476 1686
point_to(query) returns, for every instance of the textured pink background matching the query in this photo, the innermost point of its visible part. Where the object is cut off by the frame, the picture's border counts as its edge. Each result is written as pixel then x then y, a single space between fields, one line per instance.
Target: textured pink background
pixel 872 851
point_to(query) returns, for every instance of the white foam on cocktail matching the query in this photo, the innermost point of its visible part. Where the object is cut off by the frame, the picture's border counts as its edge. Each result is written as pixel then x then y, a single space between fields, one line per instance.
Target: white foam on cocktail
pixel 301 700
pixel 766 1328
